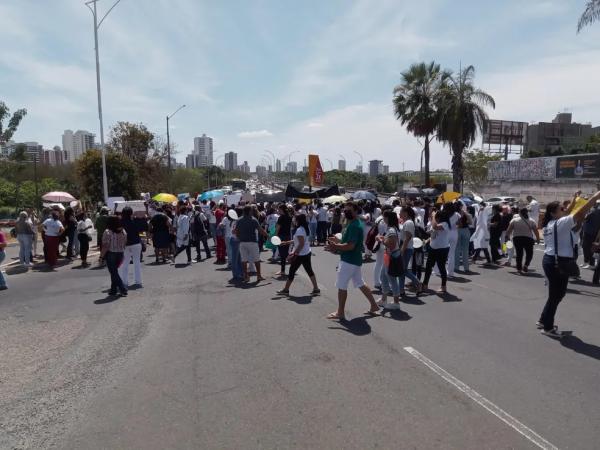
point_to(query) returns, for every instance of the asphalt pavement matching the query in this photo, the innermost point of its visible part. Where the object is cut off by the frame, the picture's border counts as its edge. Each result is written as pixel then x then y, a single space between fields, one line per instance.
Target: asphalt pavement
pixel 192 361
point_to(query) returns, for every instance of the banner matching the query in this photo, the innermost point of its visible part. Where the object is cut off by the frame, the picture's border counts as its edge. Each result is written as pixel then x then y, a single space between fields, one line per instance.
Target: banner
pixel 578 166
pixel 292 192
pixel 315 171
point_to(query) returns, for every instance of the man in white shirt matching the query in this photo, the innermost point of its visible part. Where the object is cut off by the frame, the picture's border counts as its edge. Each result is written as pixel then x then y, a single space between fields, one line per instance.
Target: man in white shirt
pixel 534 209
pixel 321 224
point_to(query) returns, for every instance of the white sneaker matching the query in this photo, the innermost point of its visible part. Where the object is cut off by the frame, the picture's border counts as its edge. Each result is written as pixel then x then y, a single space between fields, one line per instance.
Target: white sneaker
pixel 552 333
pixel 585 266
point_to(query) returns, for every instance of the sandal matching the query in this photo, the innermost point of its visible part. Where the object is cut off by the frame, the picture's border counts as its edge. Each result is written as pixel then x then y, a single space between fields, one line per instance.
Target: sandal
pixel 372 313
pixel 335 316
pixel 316 291
pixel 283 292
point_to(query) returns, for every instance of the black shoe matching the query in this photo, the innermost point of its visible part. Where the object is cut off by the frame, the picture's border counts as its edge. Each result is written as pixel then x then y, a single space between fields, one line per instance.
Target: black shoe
pixel 123 294
pixel 112 294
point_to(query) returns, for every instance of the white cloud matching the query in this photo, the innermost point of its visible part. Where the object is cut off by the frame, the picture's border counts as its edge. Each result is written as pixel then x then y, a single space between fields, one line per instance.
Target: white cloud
pixel 314 125
pixel 258 134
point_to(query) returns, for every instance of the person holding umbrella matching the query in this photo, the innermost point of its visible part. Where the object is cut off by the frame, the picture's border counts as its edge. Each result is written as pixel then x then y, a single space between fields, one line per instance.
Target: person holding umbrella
pixel 53 229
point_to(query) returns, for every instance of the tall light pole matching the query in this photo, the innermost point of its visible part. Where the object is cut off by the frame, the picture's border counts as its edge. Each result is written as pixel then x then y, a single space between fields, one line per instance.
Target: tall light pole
pixel 99 90
pixel 169 144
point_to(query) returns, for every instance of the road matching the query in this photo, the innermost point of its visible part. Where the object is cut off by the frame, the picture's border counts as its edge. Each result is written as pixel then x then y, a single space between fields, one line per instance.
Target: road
pixel 190 361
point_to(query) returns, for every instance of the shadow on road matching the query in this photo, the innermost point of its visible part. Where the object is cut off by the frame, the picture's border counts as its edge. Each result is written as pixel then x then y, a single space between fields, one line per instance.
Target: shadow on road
pixel 105 300
pixel 396 314
pixel 447 298
pixel 304 300
pixel 584 293
pixel 456 279
pixel 357 326
pixel 412 301
pixel 577 345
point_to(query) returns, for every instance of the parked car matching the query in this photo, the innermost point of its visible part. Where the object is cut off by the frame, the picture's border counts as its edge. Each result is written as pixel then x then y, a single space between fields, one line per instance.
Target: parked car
pixel 7 222
pixel 501 199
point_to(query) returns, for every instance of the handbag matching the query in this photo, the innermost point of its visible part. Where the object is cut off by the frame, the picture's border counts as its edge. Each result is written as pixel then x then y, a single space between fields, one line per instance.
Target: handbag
pixel 395 266
pixel 567 267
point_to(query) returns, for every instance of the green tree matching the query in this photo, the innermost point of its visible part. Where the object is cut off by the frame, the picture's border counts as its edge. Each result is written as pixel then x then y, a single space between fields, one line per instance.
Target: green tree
pixel 132 140
pixel 590 15
pixel 476 167
pixel 7 131
pixel 122 176
pixel 593 144
pixel 461 117
pixel 415 103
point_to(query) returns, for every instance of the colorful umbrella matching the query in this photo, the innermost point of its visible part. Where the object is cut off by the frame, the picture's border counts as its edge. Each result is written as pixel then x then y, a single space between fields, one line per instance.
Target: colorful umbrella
pixel 446 197
pixel 467 201
pixel 163 197
pixel 364 195
pixel 334 199
pixel 209 195
pixel 58 197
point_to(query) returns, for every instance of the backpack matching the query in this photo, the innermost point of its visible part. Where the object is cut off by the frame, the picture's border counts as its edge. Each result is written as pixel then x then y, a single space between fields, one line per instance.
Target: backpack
pixel 371 239
pixel 197 227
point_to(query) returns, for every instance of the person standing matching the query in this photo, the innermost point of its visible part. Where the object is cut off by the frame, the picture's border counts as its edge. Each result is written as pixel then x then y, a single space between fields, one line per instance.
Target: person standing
pixel 84 236
pixel 114 241
pixel 523 229
pixel 300 256
pixel 322 224
pixel 350 248
pixel 454 217
pixel 3 285
pixel 183 235
pixel 198 233
pixel 225 226
pixel 439 244
pixel 481 236
pixel 407 233
pixel 246 230
pixel 100 226
pixel 379 250
pixel 236 262
pixel 283 231
pixel 596 252
pixel 133 248
pixel 495 233
pixel 24 229
pixel 461 256
pixel 160 225
pixel 390 242
pixel 558 257
pixel 591 227
pixel 53 229
pixel 312 224
pixel 221 245
pixel 534 209
pixel 70 224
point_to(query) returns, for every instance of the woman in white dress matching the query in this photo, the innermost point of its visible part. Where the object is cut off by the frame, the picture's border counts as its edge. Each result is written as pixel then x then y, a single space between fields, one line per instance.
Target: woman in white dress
pixel 481 237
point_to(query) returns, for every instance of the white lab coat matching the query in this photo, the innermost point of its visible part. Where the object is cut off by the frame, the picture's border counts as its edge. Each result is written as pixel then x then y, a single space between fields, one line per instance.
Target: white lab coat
pixel 481 237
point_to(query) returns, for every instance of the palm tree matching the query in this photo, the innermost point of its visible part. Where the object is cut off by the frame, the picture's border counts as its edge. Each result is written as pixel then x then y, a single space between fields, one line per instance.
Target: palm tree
pixel 461 117
pixel 590 15
pixel 415 103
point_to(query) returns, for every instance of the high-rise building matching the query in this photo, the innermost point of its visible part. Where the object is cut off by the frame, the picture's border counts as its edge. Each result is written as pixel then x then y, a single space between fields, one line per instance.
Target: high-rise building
pixel 278 165
pixel 342 165
pixel 292 167
pixel 76 144
pixel 359 168
pixel 231 161
pixel 191 161
pixel 562 133
pixel 261 171
pixel 375 168
pixel 54 157
pixel 386 170
pixel 244 168
pixel 203 148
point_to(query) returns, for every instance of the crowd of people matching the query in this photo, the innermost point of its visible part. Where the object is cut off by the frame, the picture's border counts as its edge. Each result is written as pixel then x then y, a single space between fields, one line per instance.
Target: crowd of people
pixel 405 240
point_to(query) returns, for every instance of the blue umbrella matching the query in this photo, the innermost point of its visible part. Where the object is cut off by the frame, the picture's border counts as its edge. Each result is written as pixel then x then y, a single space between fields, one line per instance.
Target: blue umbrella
pixel 209 195
pixel 467 201
pixel 364 195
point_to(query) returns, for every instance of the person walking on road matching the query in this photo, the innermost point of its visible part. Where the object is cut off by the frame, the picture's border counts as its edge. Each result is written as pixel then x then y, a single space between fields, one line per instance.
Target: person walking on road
pixel 523 229
pixel 439 244
pixel 25 232
pixel 84 236
pixel 3 244
pixel 461 257
pixel 300 256
pixel 53 229
pixel 114 241
pixel 379 250
pixel 534 209
pixel 407 233
pixel 559 262
pixel 350 248
pixel 322 214
pixel 100 226
pixel 481 236
pixel 247 229
pixel 495 233
pixel 198 233
pixel 283 230
pixel 390 243
pixel 183 235
pixel 133 248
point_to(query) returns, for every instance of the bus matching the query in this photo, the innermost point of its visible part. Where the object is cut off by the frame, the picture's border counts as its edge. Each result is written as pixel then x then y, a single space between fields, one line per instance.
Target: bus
pixel 238 185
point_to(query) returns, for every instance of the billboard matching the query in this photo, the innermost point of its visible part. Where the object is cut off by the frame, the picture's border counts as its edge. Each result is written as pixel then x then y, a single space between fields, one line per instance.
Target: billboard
pixel 523 169
pixel 504 132
pixel 578 166
pixel 315 171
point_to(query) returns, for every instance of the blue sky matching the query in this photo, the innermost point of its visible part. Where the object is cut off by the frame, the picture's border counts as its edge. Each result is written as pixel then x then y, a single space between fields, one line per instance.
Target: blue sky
pixel 312 76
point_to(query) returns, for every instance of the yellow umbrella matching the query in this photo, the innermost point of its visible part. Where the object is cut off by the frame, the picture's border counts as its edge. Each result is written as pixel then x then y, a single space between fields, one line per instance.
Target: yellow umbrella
pixel 164 198
pixel 446 197
pixel 579 203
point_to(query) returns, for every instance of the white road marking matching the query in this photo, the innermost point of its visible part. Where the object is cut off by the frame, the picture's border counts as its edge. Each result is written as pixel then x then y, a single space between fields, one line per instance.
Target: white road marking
pixel 482 401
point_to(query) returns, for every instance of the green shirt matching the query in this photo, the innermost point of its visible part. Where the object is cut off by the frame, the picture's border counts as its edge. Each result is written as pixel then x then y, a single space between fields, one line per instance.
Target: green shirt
pixel 354 232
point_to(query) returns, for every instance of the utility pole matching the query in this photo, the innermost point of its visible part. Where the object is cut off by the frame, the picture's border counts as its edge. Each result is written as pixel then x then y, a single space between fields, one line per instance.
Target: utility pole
pixel 169 148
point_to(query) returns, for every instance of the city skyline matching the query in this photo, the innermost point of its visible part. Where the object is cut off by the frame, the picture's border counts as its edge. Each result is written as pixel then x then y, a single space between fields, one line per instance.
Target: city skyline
pixel 283 90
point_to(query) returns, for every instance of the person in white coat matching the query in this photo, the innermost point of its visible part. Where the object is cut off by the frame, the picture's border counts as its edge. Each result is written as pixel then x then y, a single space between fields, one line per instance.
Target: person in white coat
pixel 381 230
pixel 481 237
pixel 183 235
pixel 452 236
pixel 534 209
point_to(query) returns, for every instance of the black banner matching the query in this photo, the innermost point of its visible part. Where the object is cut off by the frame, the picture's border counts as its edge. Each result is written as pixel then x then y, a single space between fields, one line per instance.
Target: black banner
pixel 586 165
pixel 292 192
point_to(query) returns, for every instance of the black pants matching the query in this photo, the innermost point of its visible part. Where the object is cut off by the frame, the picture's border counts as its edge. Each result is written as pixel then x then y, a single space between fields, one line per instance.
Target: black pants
pixel 84 246
pixel 437 256
pixel 70 232
pixel 303 261
pixel 322 232
pixel 188 252
pixel 284 251
pixel 523 243
pixel 586 245
pixel 557 289
pixel 596 278
pixel 113 260
pixel 204 241
pixel 486 253
pixel 494 246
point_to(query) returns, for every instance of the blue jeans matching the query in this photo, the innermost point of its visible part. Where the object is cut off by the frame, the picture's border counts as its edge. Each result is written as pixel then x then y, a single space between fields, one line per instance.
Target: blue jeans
pixel 407 257
pixel 236 261
pixel 312 228
pixel 2 280
pixel 213 231
pixel 25 242
pixel 557 289
pixel 462 249
pixel 389 283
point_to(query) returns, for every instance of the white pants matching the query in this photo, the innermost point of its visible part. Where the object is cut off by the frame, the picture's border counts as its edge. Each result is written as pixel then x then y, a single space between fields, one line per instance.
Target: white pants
pixel 378 266
pixel 135 252
pixel 453 239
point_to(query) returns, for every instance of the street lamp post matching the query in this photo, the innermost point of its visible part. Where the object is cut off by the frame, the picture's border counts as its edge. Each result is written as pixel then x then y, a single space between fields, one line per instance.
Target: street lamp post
pixel 169 144
pixel 99 90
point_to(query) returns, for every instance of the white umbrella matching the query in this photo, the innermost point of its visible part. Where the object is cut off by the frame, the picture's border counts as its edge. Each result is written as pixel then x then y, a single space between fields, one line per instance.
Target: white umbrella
pixel 58 197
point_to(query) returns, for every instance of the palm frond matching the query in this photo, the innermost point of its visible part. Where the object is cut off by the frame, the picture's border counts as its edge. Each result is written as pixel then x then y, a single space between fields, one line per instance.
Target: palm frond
pixel 590 15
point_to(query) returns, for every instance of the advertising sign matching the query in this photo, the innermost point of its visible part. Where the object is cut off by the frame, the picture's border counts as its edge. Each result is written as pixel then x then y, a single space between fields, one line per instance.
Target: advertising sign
pixel 578 166
pixel 504 132
pixel 315 171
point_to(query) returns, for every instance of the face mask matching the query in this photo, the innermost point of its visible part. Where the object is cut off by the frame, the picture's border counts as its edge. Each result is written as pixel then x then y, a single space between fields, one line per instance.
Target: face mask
pixel 348 215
